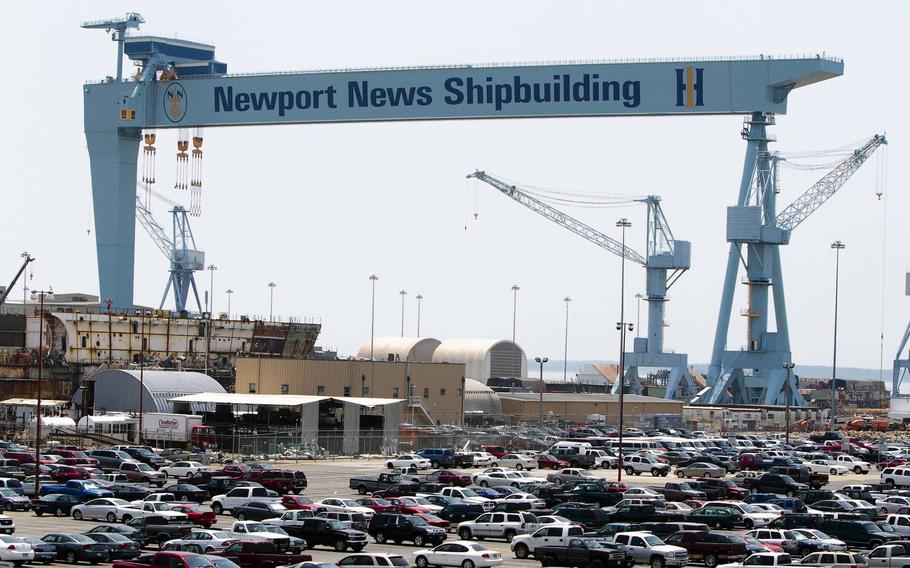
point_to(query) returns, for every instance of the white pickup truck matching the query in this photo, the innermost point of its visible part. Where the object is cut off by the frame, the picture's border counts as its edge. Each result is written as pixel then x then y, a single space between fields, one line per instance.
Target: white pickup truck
pixel 291 519
pixel 772 559
pixel 889 556
pixel 254 530
pixel 650 550
pixel 551 535
pixel 240 496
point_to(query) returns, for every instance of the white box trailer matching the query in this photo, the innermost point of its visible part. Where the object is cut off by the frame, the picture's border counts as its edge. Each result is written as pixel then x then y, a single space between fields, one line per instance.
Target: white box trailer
pixel 167 427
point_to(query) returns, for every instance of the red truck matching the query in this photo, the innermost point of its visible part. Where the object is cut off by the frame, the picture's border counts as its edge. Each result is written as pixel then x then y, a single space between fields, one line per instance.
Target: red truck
pixel 233 470
pixel 63 473
pixel 712 548
pixel 169 559
pixel 275 479
pixel 260 555
pixel 497 451
pixel 195 514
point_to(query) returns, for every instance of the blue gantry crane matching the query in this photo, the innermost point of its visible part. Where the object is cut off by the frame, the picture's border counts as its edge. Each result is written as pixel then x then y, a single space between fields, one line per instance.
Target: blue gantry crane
pixel 665 261
pixel 755 374
pixel 180 85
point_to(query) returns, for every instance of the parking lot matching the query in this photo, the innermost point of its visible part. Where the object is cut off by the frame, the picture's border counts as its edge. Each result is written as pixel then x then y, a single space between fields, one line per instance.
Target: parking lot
pixel 330 479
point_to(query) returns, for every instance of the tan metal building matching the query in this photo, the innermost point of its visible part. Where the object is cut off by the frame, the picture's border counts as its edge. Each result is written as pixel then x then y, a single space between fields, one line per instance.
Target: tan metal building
pixel 578 407
pixel 436 389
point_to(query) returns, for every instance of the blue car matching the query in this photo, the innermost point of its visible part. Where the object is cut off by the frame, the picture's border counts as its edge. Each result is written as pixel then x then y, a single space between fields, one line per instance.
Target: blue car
pixel 790 504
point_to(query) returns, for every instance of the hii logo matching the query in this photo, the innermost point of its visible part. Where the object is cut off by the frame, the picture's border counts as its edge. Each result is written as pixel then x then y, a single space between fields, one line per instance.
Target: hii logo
pixel 175 102
pixel 688 87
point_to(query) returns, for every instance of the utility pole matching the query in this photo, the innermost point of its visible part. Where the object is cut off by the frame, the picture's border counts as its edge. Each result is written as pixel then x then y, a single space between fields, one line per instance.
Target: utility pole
pixel 565 352
pixel 271 298
pixel 789 368
pixel 837 246
pixel 403 294
pixel 373 279
pixel 41 295
pixel 208 328
pixel 419 298
pixel 142 315
pixel 540 360
pixel 515 290
pixel 620 375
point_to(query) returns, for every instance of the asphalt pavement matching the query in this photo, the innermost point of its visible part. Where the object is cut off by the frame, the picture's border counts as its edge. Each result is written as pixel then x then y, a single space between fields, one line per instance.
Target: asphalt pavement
pixel 330 479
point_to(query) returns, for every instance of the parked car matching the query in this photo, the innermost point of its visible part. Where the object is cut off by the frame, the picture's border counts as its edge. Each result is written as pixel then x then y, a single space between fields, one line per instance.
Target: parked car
pixel 650 550
pixel 257 511
pixel 208 540
pixel 119 547
pixel 583 552
pixel 108 509
pixel 711 548
pixel 700 469
pixel 554 535
pixel 516 461
pixel 408 461
pixel 636 465
pixel 57 504
pixel 456 553
pixel 836 559
pixel 398 528
pixel 323 532
pixel 74 548
pixel 44 552
pixel 187 469
pixel 717 517
pixel 497 525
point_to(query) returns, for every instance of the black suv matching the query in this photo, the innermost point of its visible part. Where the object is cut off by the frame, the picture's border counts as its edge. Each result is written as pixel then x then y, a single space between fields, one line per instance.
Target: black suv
pixel 816 495
pixel 589 518
pixel 398 528
pixel 796 521
pixel 300 482
pixel 862 534
pixel 331 533
pixel 145 456
pixel 459 512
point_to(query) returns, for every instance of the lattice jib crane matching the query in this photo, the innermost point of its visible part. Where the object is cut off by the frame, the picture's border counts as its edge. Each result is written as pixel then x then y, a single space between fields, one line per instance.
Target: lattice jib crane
pixel 180 249
pixel 755 374
pixel 664 253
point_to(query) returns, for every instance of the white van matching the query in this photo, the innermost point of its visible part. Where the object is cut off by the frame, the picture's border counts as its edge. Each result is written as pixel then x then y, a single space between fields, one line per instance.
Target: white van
pixel 576 447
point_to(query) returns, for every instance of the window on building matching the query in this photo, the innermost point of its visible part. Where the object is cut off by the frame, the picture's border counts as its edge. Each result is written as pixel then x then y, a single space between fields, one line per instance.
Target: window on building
pixel 426 393
pixel 252 387
pixel 458 392
pixel 366 391
pixel 347 391
pixel 285 389
pixel 442 392
pixel 320 390
pixel 396 392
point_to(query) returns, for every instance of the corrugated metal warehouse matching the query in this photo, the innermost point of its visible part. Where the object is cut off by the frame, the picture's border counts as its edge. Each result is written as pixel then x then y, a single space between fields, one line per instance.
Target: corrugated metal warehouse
pixel 119 389
pixel 577 407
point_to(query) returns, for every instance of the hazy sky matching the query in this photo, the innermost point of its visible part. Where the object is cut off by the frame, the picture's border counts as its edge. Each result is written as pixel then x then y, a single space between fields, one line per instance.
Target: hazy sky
pixel 317 209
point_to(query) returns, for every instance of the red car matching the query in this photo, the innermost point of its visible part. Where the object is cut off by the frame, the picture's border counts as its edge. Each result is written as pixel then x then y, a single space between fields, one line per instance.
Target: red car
pixel 275 479
pixel 300 502
pixel 68 453
pixel 892 463
pixel 195 514
pixel 450 478
pixel 63 473
pixel 433 520
pixel 378 505
pixel 233 470
pixel 545 461
pixel 616 487
pixel 79 462
pixel 497 451
pixel 407 505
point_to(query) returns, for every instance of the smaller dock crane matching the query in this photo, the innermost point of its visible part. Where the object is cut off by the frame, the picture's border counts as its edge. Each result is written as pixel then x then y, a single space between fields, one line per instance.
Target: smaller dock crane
pixel 180 249
pixel 28 259
pixel 665 260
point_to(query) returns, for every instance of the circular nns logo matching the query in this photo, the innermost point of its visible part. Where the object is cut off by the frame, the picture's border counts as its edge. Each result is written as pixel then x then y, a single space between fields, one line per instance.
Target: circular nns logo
pixel 175 102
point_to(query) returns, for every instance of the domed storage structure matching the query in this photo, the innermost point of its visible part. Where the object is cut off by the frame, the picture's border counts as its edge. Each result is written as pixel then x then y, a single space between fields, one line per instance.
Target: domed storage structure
pixel 484 358
pixel 404 349
pixel 119 390
pixel 480 399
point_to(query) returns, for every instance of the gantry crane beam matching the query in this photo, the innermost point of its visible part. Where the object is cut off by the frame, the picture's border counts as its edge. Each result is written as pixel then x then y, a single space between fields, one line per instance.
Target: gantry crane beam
pixel 665 254
pixel 182 85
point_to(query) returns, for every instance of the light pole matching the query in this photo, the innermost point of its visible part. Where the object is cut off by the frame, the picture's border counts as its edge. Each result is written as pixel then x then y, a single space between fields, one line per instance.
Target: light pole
pixel 621 374
pixel 515 290
pixel 373 279
pixel 271 298
pixel 142 314
pixel 39 295
pixel 789 368
pixel 837 246
pixel 639 297
pixel 419 297
pixel 229 292
pixel 403 294
pixel 565 351
pixel 540 360
pixel 208 328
